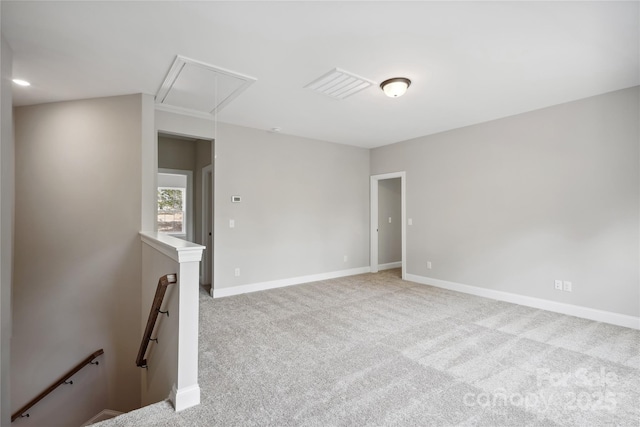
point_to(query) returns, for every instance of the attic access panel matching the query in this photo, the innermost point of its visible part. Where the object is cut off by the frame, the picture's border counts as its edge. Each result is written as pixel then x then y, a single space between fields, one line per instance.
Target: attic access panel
pixel 199 87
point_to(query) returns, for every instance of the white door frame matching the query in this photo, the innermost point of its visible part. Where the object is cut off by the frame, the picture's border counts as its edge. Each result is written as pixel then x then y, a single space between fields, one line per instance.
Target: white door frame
pixel 207 203
pixel 374 218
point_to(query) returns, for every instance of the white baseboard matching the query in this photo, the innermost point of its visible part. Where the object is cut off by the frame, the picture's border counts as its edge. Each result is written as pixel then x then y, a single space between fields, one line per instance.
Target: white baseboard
pixel 389 265
pixel 557 307
pixel 107 414
pixel 273 284
pixel 185 397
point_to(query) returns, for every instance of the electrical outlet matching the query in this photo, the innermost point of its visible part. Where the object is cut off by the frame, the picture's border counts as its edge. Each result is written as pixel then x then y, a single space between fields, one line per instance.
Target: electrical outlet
pixel 237 272
pixel 429 265
pixel 558 285
pixel 346 258
pixel 389 220
pixel 567 286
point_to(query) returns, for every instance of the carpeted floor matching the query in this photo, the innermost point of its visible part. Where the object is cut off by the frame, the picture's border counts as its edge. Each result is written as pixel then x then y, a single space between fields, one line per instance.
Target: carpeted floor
pixel 375 350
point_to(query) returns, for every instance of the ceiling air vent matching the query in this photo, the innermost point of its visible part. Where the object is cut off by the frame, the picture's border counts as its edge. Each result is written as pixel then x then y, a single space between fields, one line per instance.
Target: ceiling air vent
pixel 339 84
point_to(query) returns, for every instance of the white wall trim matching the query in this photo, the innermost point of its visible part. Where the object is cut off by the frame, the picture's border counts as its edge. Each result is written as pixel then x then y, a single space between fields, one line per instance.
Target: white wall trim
pixel 543 304
pixel 149 164
pixel 177 249
pixel 185 397
pixel 184 111
pixel 103 415
pixel 389 265
pixel 273 284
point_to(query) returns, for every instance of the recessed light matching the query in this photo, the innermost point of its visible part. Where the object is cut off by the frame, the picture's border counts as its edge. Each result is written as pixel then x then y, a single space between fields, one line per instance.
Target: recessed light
pixel 21 82
pixel 275 129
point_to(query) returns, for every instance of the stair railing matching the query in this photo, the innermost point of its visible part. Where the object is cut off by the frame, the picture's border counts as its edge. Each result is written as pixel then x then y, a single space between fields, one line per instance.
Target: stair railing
pixel 163 283
pixel 21 413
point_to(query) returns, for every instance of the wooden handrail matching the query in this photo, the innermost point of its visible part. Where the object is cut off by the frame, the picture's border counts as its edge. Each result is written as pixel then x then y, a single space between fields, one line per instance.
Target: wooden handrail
pixel 163 283
pixel 52 387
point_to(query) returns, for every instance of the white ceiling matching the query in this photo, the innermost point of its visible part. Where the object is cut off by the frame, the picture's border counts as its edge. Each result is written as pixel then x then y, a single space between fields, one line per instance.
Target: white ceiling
pixel 469 61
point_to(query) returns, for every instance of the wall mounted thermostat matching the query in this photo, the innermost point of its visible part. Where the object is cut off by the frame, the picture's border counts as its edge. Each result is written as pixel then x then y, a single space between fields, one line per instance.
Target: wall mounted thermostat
pixel 236 199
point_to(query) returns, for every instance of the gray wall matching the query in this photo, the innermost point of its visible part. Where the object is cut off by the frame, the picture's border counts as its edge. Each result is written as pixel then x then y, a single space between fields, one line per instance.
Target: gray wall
pixel 515 203
pixel 304 206
pixel 176 153
pixel 389 234
pixel 77 252
pixel 6 226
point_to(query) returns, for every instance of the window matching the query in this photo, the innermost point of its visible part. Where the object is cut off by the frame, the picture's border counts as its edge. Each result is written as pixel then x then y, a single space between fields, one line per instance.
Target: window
pixel 171 210
pixel 175 203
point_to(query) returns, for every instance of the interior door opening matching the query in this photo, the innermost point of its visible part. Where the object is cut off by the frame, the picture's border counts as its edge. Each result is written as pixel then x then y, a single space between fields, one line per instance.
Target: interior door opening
pixel 388 222
pixel 192 157
pixel 207 227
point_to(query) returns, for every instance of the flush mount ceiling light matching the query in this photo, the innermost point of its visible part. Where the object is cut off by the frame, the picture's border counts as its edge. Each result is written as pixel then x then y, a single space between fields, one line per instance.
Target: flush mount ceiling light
pixel 20 82
pixel 395 87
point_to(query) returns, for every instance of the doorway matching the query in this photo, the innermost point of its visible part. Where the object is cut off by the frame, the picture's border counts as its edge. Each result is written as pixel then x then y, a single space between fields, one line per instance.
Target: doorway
pixel 376 226
pixel 195 157
pixel 207 226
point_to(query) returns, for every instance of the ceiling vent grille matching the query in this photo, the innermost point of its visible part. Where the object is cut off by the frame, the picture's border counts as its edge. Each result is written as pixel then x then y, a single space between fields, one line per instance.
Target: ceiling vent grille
pixel 339 84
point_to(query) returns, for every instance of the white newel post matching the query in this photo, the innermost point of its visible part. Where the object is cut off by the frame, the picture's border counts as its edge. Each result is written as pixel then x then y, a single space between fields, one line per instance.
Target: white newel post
pixel 185 391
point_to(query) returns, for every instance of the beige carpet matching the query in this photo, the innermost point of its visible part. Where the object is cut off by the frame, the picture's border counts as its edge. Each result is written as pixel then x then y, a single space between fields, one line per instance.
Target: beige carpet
pixel 375 350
